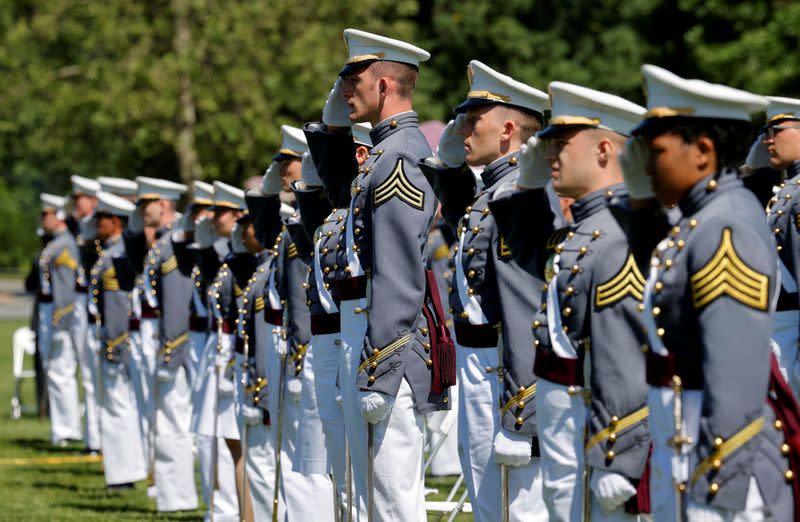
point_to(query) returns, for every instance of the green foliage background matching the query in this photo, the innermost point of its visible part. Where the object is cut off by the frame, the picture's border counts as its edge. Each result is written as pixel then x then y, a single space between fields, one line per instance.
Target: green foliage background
pixel 94 87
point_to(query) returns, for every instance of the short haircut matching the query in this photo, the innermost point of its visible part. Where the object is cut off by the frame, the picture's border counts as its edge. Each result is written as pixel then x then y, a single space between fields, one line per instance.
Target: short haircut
pixel 404 75
pixel 529 123
pixel 731 138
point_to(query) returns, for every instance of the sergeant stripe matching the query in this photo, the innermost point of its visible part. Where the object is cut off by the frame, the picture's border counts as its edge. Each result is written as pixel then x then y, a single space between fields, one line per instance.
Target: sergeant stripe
pixel 628 281
pixel 440 252
pixel 169 265
pixel 259 304
pixel 728 447
pixel 110 282
pixel 626 422
pixel 64 259
pixel 383 354
pixel 397 184
pixel 292 251
pixel 727 274
pixel 519 397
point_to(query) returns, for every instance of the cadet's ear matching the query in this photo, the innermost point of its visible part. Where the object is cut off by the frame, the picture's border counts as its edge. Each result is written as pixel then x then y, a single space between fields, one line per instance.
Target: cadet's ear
pixel 362 153
pixel 509 128
pixel 705 154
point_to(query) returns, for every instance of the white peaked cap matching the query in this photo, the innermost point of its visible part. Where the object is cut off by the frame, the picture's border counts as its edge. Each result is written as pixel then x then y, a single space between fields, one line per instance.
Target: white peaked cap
pixel 154 188
pixel 487 86
pixel 228 196
pixel 203 193
pixel 118 186
pixel 112 204
pixel 364 47
pixel 293 144
pixel 574 105
pixel 84 186
pixel 782 109
pixel 52 202
pixel 669 95
pixel 361 133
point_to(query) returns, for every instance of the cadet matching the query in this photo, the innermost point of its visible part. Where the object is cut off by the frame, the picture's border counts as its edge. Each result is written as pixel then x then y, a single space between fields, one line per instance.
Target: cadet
pixel 323 296
pixel 707 309
pixel 123 453
pixel 383 250
pixel 780 139
pixel 58 276
pixel 84 201
pixel 491 294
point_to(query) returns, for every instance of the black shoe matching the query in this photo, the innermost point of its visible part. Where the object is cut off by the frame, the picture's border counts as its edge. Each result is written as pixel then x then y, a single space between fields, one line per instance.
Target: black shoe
pixel 118 488
pixel 91 452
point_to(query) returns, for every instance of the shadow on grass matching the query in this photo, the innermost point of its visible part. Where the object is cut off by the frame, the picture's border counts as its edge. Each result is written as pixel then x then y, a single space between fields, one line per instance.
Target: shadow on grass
pixel 44 445
pixel 129 510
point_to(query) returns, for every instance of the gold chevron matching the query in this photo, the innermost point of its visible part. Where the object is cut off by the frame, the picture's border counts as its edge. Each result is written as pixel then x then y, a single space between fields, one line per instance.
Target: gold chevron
pixel 397 184
pixel 505 250
pixel 556 238
pixel 628 281
pixel 386 352
pixel 727 274
pixel 440 252
pixel 259 304
pixel 292 251
pixel 59 314
pixel 169 265
pixel 64 259
pixel 521 396
pixel 110 283
pixel 237 290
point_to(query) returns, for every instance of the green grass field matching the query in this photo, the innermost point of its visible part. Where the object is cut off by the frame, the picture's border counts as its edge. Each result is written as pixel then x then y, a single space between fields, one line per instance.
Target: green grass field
pixel 70 491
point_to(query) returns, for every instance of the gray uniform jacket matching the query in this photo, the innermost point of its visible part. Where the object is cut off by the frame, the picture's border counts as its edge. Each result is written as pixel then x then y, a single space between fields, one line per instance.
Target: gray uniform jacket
pixel 111 301
pixel 714 280
pixel 440 262
pixel 496 294
pixel 252 311
pixel 59 273
pixel 294 280
pixel 783 216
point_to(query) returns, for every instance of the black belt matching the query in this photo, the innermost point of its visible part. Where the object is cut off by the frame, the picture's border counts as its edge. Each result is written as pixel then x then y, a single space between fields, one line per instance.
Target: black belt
pixel 148 312
pixel 227 326
pixel 273 316
pixel 198 323
pixel 662 368
pixel 81 289
pixel 560 370
pixel 476 335
pixel 322 324
pixel 787 301
pixel 351 288
pixel 134 324
pixel 45 298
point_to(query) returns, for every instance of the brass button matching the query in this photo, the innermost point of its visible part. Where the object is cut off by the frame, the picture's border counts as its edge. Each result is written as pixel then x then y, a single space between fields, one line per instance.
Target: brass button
pixel 778 424
pixel 785 450
pixel 612 437
pixel 789 475
pixel 429 362
pixel 716 464
pixel 692 223
pixel 520 421
pixel 371 378
pixel 567 311
pixel 714 488
pixel 656 311
pixel 610 455
pixel 537 323
pixel 718 442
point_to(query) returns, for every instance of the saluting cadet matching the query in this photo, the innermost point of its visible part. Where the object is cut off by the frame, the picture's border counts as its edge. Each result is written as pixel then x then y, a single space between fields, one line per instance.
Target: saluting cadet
pixel 168 290
pixel 260 228
pixel 217 470
pixel 491 293
pixel 383 258
pixel 324 213
pixel 779 142
pixel 587 334
pixel 123 454
pixel 84 201
pixel 717 432
pixel 58 275
pixel 214 398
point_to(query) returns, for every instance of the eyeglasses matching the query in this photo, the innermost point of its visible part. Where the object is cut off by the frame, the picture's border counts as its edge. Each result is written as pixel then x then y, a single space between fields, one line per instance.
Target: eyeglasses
pixel 776 129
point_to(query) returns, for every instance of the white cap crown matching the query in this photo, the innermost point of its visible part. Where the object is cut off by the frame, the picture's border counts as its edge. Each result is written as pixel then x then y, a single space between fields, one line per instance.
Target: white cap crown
pixel 109 203
pixel 574 105
pixel 228 196
pixel 487 86
pixel 154 188
pixel 118 186
pixel 364 47
pixel 84 186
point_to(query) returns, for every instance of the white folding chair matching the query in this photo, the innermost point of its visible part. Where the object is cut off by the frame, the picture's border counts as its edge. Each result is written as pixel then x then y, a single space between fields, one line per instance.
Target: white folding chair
pixel 448 506
pixel 24 342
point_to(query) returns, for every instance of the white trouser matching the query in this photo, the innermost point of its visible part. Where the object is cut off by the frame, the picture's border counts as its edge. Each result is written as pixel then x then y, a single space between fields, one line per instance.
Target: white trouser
pixel 134 373
pixel 447 460
pixel 561 417
pixel 261 472
pixel 214 394
pixel 60 363
pixel 123 454
pixel 226 503
pixel 326 372
pixel 753 510
pixel 599 514
pixel 197 343
pixel 204 389
pixel 311 457
pixel 478 423
pixel 142 373
pixel 397 440
pixel 86 348
pixel 296 489
pixel 175 489
pixel 785 330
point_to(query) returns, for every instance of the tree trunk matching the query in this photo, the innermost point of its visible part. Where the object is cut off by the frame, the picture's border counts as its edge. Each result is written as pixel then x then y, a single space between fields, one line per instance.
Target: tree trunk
pixel 190 169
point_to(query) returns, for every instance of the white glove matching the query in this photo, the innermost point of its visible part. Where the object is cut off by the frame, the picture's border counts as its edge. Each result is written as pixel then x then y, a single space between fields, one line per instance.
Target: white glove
pixel 295 389
pixel 308 171
pixel 336 112
pixel 252 416
pixel 534 167
pixel 633 162
pixel 271 184
pixel 165 375
pixel 513 449
pixel 758 157
pixel 451 143
pixel 610 489
pixel 187 223
pixel 135 221
pixel 237 239
pixel 88 227
pixel 204 233
pixel 375 406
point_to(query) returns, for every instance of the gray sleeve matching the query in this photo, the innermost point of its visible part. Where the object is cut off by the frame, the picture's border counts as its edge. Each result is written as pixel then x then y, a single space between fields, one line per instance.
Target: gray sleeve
pixel 175 294
pixel 64 268
pixel 299 327
pixel 115 314
pixel 455 188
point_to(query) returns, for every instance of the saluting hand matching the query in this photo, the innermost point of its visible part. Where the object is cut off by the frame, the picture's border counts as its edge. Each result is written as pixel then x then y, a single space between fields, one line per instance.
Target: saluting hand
pixel 336 112
pixel 308 171
pixel 633 162
pixel 451 143
pixel 271 183
pixel 534 167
